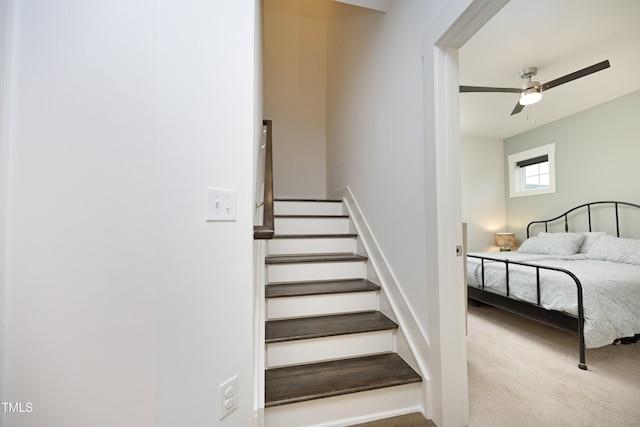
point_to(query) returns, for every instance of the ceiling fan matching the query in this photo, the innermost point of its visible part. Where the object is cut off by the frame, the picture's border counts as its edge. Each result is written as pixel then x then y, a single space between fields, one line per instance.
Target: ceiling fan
pixel 531 91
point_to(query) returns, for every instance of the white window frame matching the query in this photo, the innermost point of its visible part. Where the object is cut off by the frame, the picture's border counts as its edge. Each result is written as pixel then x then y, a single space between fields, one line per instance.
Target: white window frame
pixel 516 189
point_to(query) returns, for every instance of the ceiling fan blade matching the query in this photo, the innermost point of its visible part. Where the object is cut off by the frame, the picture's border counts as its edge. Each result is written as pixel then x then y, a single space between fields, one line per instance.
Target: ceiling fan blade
pixel 517 108
pixel 575 75
pixel 488 89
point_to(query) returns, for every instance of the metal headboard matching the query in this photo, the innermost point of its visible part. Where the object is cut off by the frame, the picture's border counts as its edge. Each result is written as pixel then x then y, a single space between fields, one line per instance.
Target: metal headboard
pixel 588 206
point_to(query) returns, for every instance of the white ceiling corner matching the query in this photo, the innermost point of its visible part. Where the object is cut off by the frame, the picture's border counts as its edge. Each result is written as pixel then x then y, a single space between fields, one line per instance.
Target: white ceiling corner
pixel 558 37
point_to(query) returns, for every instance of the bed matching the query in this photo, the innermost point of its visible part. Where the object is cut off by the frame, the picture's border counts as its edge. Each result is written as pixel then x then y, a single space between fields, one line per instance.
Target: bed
pixel 581 280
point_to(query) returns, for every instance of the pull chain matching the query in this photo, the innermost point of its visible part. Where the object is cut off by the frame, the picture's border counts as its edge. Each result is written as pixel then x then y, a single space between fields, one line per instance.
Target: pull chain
pixel 533 110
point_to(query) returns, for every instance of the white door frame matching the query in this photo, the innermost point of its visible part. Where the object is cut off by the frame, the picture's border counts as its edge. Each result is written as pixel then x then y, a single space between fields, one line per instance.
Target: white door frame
pixel 455 24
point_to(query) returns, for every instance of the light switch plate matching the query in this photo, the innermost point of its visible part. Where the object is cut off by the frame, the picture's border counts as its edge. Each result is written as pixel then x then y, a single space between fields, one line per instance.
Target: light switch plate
pixel 221 204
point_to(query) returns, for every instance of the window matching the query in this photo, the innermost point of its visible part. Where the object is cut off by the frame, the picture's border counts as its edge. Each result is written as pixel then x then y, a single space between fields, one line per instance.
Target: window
pixel 532 172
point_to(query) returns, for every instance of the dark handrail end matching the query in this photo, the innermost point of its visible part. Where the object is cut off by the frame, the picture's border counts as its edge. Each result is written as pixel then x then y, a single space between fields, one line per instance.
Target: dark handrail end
pixel 261 232
pixel 267 229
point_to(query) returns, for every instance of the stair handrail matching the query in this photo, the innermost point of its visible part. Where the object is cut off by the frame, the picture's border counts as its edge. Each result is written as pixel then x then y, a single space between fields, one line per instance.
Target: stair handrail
pixel 264 225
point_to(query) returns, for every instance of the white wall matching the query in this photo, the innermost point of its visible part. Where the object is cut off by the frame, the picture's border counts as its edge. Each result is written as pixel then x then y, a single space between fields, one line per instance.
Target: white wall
pixel 295 64
pixel 4 168
pixel 124 307
pixel 482 191
pixel 205 300
pixel 391 138
pixel 375 133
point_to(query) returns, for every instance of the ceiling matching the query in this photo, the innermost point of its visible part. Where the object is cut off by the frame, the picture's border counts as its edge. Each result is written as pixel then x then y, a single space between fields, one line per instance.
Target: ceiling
pixel 558 37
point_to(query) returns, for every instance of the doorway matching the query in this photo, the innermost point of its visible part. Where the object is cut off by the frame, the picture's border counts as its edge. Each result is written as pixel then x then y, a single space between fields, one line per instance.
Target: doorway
pixel 455 24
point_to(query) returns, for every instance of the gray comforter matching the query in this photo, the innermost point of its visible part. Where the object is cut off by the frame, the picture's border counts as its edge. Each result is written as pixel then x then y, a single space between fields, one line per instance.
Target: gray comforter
pixel 611 290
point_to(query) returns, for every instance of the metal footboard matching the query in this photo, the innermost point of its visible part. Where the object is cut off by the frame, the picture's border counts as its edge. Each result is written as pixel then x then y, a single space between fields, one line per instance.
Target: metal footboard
pixel 564 321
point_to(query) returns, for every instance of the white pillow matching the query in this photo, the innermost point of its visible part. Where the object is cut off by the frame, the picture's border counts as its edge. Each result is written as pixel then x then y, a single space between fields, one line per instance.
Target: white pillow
pixel 553 244
pixel 590 238
pixel 616 249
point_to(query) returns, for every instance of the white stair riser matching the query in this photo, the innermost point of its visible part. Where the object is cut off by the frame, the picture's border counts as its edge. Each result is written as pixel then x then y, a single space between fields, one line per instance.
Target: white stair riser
pixel 317 305
pixel 348 409
pixel 281 273
pixel 311 246
pixel 324 225
pixel 307 208
pixel 329 348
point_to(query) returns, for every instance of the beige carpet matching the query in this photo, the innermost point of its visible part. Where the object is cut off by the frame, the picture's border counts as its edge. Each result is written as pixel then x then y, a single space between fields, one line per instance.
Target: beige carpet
pixel 526 374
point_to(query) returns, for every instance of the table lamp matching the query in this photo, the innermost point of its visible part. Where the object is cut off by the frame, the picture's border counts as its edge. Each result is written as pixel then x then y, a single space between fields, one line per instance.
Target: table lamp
pixel 506 241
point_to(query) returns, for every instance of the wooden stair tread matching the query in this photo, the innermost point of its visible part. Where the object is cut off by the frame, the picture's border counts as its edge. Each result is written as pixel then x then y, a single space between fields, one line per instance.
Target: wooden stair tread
pixel 293 259
pixel 337 377
pixel 414 419
pixel 319 288
pixel 326 326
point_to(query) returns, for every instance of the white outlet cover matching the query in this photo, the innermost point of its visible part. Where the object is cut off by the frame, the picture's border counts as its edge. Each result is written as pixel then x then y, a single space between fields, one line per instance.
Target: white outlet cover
pixel 228 396
pixel 220 204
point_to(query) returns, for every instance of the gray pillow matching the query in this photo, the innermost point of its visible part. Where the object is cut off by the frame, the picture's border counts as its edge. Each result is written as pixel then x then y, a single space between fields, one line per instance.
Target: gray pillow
pixel 616 249
pixel 589 239
pixel 553 244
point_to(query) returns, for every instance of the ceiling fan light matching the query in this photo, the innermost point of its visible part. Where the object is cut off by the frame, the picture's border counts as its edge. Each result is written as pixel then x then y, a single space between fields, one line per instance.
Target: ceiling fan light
pixel 530 95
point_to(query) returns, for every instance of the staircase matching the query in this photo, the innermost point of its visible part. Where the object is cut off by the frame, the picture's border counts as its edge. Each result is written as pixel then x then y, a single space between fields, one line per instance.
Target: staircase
pixel 330 353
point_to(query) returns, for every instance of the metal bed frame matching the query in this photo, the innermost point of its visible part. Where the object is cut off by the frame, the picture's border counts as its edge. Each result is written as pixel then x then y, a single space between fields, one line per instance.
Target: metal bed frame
pixel 563 321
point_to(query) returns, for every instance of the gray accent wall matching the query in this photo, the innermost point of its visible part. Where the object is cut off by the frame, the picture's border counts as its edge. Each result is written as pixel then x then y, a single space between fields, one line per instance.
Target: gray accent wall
pixel 597 158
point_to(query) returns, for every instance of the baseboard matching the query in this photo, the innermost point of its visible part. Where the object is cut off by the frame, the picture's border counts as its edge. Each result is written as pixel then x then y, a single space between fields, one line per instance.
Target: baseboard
pixel 412 343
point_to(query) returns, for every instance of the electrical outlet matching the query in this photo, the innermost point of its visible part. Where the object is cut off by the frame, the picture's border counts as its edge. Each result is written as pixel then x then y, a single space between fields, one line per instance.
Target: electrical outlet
pixel 228 396
pixel 221 204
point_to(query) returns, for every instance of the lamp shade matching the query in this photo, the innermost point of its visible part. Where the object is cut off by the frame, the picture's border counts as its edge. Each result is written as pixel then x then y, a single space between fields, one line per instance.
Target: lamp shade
pixel 506 241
